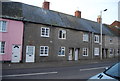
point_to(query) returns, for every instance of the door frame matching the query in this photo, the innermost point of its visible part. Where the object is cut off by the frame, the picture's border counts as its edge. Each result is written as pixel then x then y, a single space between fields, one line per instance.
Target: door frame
pixel 26 54
pixel 16 54
pixel 76 54
pixel 70 56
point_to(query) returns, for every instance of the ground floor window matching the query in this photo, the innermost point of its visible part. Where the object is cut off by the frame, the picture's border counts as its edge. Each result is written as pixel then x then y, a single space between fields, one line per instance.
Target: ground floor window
pixel 2 47
pixel 85 52
pixel 96 51
pixel 61 51
pixel 111 51
pixel 44 50
pixel 118 51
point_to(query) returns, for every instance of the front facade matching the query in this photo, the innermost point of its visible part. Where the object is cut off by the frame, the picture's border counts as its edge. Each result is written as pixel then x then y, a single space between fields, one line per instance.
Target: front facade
pixel 49 43
pixel 54 36
pixel 111 47
pixel 11 33
pixel 53 43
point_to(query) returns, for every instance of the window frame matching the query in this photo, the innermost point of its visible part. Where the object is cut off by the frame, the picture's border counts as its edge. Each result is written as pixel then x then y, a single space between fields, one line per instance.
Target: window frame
pixel 61 49
pixel 1 26
pixel 46 30
pixel 111 40
pixel 63 34
pixel 85 50
pixel 111 51
pixel 3 47
pixel 96 38
pixel 85 37
pixel 118 51
pixel 44 51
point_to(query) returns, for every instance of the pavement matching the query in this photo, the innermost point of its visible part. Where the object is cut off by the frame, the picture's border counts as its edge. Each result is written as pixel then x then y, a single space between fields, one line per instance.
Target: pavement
pixel 54 64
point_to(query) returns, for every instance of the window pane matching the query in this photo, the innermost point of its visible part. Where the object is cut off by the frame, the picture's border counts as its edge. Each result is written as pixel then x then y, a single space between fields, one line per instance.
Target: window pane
pixel 60 34
pixel 85 51
pixel 2 47
pixel 43 31
pixel 3 27
pixel 63 36
pixel 61 51
pixel 46 51
pixel 46 48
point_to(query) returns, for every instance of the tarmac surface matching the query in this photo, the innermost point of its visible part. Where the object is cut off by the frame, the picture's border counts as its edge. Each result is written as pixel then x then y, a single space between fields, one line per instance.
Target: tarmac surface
pixel 54 64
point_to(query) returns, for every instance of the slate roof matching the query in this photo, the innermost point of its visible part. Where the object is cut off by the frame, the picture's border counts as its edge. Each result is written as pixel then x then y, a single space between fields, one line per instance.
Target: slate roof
pixel 25 12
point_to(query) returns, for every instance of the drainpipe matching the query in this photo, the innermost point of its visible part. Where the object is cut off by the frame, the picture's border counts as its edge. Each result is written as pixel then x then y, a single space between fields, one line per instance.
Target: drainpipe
pixel 92 40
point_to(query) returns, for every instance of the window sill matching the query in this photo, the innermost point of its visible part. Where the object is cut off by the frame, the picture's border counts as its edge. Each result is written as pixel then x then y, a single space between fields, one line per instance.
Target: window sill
pixel 85 55
pixel 2 53
pixel 61 55
pixel 3 32
pixel 96 55
pixel 43 55
pixel 45 36
pixel 62 38
pixel 96 42
pixel 86 41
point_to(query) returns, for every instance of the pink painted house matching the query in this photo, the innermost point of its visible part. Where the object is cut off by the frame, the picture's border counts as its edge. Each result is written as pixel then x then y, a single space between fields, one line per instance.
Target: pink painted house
pixel 11 35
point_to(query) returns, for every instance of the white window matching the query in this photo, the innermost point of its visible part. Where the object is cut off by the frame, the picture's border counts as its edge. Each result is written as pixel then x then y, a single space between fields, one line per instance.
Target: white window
pixel 3 26
pixel 85 51
pixel 2 47
pixel 62 34
pixel 45 32
pixel 44 50
pixel 96 51
pixel 85 37
pixel 61 51
pixel 96 38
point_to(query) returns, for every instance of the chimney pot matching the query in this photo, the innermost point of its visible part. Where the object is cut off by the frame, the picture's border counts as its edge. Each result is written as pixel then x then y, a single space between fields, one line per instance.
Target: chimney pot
pixel 46 5
pixel 99 19
pixel 78 14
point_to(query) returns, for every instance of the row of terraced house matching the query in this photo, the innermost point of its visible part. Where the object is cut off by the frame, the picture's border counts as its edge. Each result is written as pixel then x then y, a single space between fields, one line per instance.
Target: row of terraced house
pixel 33 34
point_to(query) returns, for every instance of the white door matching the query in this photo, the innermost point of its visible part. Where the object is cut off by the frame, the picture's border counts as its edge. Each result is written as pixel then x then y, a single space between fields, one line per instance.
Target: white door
pixel 76 54
pixel 30 53
pixel 70 54
pixel 16 53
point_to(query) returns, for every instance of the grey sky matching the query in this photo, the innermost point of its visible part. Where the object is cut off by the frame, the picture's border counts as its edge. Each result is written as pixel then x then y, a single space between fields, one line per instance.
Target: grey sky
pixel 90 8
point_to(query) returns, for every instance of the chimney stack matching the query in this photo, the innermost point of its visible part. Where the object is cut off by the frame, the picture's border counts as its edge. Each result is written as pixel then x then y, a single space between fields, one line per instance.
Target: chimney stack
pixel 99 19
pixel 46 5
pixel 78 14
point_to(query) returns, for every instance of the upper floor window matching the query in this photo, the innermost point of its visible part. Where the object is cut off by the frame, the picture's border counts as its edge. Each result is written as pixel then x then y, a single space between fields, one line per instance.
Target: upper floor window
pixel 96 38
pixel 85 37
pixel 85 51
pixel 3 26
pixel 45 32
pixel 61 51
pixel 44 50
pixel 62 34
pixel 110 40
pixel 2 47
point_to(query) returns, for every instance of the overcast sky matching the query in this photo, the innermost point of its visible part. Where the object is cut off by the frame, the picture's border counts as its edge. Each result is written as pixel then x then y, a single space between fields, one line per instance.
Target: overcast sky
pixel 90 8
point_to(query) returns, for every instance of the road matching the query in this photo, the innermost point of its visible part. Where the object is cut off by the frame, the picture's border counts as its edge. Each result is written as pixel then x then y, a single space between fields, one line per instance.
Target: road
pixel 84 71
